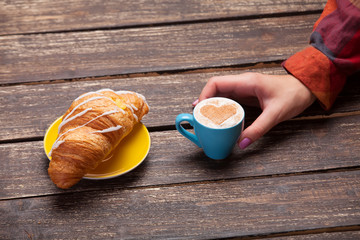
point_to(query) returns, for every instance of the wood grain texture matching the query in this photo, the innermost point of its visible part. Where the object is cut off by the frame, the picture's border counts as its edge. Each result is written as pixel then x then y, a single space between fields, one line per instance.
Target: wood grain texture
pixel 30 109
pixel 233 208
pixel 19 16
pixel 291 147
pixel 28 58
pixel 299 181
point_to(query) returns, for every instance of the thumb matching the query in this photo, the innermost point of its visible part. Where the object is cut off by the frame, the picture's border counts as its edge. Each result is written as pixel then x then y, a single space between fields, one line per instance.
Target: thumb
pixel 258 128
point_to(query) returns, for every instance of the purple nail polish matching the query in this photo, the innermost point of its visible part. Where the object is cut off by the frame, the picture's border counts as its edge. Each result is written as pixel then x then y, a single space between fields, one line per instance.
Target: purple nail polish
pixel 245 143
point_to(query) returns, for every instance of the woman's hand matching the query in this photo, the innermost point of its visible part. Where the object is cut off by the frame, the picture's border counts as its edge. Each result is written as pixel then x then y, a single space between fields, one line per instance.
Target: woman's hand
pixel 281 97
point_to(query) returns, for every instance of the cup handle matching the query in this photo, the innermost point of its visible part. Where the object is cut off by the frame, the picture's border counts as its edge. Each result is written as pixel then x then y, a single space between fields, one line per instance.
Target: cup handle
pixel 186 117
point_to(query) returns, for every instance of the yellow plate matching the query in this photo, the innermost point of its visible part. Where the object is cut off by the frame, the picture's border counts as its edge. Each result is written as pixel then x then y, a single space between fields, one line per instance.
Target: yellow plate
pixel 129 154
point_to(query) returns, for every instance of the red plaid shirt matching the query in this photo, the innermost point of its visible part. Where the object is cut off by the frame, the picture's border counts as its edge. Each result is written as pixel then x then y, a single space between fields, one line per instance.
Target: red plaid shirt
pixel 333 54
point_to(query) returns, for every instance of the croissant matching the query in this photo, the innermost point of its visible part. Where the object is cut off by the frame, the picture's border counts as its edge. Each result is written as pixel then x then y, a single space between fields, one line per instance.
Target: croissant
pixel 91 128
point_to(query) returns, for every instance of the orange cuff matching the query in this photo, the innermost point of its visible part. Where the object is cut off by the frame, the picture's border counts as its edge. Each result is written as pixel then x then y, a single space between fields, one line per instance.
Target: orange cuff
pixel 314 70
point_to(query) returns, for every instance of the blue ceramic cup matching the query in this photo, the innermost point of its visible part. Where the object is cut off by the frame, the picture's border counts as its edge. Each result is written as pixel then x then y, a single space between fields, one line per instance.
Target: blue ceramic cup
pixel 217 142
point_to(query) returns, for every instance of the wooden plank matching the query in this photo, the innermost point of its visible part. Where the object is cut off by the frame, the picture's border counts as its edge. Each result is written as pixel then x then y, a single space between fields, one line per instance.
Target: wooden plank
pixel 291 147
pixel 234 208
pixel 20 16
pixel 28 58
pixel 30 109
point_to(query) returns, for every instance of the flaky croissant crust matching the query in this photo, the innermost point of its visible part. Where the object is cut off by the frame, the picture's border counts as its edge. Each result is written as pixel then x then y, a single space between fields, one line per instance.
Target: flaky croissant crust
pixel 91 128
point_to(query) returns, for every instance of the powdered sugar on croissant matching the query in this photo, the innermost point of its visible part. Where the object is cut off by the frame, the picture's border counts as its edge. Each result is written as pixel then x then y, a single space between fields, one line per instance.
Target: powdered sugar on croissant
pixel 91 128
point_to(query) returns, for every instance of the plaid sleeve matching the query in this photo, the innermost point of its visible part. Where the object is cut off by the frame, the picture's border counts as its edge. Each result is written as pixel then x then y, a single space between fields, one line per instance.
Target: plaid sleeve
pixel 333 54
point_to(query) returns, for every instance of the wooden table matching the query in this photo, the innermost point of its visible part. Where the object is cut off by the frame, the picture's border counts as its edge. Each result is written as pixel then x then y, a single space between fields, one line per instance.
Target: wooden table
pixel 300 181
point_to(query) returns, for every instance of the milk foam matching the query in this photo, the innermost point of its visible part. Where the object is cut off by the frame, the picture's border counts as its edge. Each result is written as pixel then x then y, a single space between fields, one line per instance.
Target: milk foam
pixel 218 102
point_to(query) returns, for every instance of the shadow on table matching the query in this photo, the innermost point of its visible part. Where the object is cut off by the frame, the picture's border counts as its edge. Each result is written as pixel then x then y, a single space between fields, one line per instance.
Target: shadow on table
pixel 86 193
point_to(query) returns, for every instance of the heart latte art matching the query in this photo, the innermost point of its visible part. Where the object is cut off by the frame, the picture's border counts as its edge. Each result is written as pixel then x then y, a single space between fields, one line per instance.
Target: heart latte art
pixel 218 113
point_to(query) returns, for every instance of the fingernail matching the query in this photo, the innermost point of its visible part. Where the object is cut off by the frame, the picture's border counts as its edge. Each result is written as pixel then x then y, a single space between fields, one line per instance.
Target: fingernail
pixel 245 143
pixel 196 102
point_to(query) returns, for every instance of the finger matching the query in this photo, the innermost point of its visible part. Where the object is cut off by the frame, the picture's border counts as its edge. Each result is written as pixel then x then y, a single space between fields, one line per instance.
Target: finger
pixel 213 87
pixel 195 102
pixel 220 86
pixel 267 120
pixel 236 86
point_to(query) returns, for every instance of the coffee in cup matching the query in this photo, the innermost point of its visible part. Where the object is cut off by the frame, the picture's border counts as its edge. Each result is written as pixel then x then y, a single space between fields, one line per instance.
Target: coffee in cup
pixel 218 113
pixel 218 123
